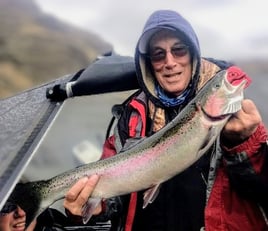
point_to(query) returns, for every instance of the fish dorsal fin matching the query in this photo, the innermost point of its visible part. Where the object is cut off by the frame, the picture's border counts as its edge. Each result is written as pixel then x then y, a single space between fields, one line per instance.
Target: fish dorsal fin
pixel 130 143
pixel 89 207
pixel 150 195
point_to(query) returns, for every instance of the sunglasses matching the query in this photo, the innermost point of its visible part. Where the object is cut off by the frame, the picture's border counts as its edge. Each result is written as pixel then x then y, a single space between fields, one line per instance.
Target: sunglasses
pixel 177 51
pixel 8 208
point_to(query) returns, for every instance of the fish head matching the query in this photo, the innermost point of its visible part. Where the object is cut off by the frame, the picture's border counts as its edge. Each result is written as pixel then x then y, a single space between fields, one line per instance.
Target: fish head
pixel 222 97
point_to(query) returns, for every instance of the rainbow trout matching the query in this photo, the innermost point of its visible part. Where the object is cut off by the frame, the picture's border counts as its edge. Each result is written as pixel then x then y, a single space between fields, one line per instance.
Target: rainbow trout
pixel 151 161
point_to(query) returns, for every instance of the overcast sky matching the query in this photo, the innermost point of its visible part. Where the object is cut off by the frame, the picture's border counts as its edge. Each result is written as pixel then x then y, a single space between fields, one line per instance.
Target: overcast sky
pixel 226 28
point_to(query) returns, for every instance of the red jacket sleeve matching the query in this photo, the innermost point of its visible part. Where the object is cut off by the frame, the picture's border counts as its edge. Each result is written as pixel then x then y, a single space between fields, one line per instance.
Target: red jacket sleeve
pixel 247 166
pixel 251 149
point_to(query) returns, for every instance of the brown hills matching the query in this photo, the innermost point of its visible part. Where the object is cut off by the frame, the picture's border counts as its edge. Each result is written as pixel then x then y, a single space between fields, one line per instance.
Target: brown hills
pixel 36 47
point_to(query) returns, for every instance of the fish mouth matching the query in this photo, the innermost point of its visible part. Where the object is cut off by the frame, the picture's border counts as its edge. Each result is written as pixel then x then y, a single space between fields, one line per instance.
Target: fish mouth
pixel 234 88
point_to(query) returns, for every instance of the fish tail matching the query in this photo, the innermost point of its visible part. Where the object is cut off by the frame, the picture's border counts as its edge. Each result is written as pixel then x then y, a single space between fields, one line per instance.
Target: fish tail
pixel 28 196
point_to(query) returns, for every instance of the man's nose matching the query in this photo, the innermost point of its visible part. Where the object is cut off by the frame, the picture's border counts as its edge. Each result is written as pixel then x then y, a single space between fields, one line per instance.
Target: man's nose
pixel 19 212
pixel 170 60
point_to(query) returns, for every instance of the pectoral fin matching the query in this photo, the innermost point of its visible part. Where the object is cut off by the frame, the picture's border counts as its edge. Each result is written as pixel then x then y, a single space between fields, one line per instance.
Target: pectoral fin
pixel 89 207
pixel 150 195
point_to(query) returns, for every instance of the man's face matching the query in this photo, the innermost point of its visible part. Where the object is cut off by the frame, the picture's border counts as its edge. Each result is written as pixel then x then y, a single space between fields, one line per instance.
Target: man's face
pixel 13 221
pixel 171 62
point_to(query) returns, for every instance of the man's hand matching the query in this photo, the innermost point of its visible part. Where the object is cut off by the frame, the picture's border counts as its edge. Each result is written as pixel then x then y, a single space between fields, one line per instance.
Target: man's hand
pixel 79 193
pixel 242 124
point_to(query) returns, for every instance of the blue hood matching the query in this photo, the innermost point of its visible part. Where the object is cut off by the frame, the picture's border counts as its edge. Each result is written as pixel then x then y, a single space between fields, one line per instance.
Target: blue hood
pixel 167 19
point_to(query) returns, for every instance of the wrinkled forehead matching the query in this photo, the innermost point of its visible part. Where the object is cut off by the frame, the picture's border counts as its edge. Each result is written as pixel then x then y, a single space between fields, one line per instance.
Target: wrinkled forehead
pixel 164 35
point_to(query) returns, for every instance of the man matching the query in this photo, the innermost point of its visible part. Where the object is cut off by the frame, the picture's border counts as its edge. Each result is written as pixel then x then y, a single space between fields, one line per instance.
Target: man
pixel 225 189
pixel 13 218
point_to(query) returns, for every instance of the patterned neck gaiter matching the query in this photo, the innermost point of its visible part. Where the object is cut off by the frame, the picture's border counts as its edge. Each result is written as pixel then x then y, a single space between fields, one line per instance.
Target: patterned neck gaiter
pixel 171 102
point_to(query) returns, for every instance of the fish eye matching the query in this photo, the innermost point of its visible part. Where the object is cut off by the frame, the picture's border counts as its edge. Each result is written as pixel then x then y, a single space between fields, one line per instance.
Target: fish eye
pixel 217 86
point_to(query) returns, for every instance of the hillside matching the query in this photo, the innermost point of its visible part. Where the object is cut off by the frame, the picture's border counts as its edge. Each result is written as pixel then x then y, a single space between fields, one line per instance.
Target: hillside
pixel 37 47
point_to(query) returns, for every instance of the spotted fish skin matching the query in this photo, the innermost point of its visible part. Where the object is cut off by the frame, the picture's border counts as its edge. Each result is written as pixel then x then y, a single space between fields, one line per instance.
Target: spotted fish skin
pixel 149 162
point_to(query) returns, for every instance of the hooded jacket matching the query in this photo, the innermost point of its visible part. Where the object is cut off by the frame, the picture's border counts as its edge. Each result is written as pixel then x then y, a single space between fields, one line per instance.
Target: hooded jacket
pixel 165 19
pixel 224 190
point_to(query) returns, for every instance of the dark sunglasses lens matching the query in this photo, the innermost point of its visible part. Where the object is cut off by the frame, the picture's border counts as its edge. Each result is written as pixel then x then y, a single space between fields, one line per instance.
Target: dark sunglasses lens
pixel 179 51
pixel 175 51
pixel 8 208
pixel 158 57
